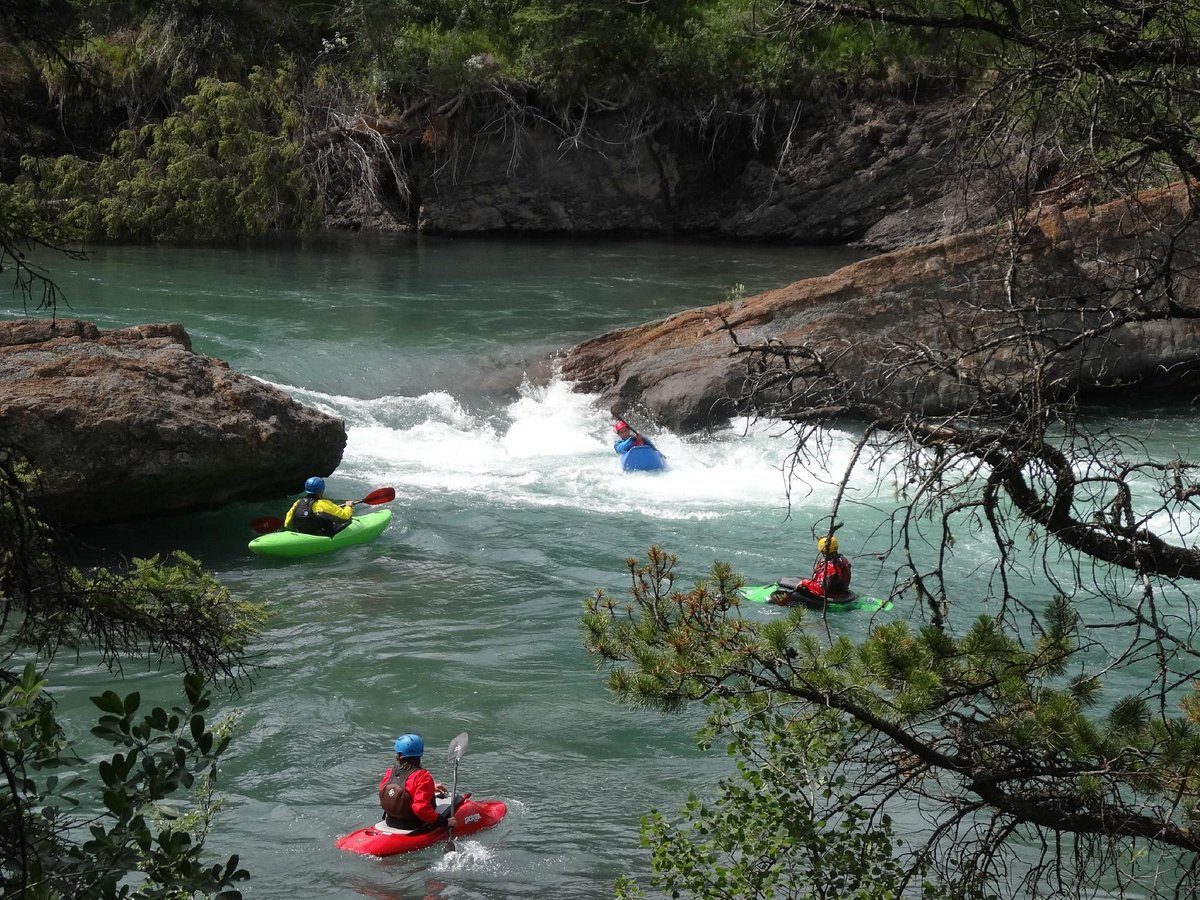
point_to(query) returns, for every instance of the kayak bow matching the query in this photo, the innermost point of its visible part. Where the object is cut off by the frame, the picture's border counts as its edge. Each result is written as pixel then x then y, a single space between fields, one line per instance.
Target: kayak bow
pixel 642 458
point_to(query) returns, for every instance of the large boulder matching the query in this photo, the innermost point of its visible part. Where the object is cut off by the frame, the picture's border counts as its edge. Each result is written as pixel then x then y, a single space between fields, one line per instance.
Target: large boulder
pixel 966 293
pixel 129 424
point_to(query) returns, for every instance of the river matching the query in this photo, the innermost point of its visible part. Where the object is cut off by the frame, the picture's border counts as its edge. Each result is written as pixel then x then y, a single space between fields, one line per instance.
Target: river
pixel 510 510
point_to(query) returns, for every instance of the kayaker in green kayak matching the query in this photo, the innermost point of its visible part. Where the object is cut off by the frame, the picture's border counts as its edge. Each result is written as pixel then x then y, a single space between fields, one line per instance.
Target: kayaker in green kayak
pixel 313 514
pixel 830 580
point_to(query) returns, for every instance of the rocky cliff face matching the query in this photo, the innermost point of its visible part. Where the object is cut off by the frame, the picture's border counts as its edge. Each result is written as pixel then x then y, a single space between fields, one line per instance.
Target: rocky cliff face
pixel 130 424
pixel 1072 269
pixel 875 173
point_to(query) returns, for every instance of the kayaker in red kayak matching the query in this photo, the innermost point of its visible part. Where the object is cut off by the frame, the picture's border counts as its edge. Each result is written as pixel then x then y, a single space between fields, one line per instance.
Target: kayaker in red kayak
pixel 313 514
pixel 408 792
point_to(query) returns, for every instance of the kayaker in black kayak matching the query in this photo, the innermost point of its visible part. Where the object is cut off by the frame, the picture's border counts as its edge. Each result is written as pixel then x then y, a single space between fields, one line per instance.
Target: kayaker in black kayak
pixel 408 794
pixel 313 514
pixel 830 580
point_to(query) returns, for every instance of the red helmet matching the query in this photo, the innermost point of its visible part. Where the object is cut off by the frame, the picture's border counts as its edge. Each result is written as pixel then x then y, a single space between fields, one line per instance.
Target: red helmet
pixel 620 425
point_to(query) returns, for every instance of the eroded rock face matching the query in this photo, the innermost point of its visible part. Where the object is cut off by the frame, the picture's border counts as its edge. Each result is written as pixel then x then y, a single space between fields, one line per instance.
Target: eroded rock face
pixel 682 371
pixel 130 424
pixel 877 173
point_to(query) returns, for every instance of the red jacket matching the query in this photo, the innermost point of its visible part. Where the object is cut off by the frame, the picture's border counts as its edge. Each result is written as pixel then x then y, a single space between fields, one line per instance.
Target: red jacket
pixel 830 577
pixel 420 787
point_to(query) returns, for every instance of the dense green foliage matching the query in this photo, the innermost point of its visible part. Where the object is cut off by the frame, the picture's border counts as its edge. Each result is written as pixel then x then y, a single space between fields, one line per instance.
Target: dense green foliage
pixel 571 52
pixel 223 167
pixel 769 831
pixel 110 832
pixel 135 846
pixel 191 120
pixel 129 84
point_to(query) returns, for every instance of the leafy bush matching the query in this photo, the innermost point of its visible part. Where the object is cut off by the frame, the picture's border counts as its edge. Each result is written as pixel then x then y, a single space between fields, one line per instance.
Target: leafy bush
pixel 225 166
pixel 48 852
pixel 70 827
pixel 572 51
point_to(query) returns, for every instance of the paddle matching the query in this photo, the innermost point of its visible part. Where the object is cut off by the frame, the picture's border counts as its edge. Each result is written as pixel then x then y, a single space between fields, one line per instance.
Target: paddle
pixel 377 496
pixel 458 747
pixel 267 524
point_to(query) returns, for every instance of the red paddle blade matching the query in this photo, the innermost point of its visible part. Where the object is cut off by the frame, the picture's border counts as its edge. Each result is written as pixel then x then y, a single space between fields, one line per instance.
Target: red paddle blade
pixel 267 524
pixel 379 495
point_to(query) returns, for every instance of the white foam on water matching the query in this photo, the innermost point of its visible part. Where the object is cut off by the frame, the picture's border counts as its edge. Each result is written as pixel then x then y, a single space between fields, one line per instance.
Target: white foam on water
pixel 552 446
pixel 468 856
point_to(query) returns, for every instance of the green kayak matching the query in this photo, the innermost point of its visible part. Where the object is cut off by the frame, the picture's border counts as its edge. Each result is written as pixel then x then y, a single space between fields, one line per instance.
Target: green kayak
pixel 292 544
pixel 847 601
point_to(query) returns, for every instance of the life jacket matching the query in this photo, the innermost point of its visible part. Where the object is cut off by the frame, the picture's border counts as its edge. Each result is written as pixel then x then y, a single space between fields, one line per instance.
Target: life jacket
pixel 830 580
pixel 305 521
pixel 836 574
pixel 396 801
pixel 635 440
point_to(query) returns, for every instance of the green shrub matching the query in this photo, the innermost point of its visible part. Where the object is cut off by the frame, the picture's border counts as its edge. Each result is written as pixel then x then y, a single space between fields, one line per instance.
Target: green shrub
pixel 225 166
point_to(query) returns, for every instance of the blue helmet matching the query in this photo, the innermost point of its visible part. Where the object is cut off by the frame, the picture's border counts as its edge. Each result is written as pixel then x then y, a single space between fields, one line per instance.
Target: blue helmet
pixel 410 745
pixel 315 485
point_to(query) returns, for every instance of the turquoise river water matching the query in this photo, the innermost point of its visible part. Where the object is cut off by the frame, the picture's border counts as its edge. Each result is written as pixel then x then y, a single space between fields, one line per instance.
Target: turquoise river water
pixel 511 508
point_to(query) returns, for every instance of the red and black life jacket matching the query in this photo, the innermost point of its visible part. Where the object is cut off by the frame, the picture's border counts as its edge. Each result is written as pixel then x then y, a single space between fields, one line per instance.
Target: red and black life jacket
pixel 837 574
pixel 830 581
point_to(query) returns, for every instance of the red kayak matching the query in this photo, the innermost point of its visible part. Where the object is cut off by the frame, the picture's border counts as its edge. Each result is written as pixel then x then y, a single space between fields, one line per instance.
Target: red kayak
pixel 380 840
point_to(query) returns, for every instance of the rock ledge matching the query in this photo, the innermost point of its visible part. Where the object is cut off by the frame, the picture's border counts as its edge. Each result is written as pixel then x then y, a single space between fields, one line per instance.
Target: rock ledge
pixel 131 423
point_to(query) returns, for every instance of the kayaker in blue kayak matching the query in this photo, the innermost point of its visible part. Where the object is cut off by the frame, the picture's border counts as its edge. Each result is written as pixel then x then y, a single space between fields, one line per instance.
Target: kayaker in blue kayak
pixel 313 514
pixel 408 794
pixel 830 579
pixel 627 438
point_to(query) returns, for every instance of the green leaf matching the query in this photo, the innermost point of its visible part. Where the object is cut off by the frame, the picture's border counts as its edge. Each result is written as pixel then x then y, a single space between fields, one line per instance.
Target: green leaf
pixel 110 702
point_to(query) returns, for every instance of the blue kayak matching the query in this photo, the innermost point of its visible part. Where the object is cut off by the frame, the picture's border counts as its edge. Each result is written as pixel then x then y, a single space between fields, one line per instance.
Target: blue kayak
pixel 642 458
